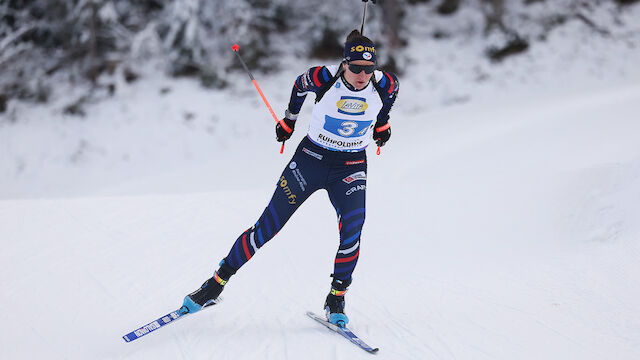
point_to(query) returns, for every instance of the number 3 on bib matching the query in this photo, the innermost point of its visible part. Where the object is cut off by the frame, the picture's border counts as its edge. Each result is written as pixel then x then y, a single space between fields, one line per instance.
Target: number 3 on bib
pixel 346 128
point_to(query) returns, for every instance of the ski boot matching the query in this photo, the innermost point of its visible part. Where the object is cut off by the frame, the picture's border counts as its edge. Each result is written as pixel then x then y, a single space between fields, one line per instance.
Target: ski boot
pixel 334 305
pixel 208 293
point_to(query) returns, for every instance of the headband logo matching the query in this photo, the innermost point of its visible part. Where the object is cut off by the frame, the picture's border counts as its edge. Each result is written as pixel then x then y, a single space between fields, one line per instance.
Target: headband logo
pixel 367 56
pixel 361 48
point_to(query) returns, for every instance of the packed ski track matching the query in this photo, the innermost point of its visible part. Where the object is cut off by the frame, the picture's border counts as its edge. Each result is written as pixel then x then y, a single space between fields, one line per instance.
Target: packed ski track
pixel 504 226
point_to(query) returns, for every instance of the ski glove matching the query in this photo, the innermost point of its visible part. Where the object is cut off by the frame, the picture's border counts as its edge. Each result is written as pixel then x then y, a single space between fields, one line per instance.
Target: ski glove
pixel 381 134
pixel 284 127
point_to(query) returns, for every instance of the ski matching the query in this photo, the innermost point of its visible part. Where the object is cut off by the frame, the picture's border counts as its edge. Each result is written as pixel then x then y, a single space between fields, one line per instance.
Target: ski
pixel 344 331
pixel 154 325
pixel 160 322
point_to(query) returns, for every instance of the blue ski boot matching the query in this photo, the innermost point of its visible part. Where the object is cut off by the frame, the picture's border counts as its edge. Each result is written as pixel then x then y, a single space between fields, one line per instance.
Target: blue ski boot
pixel 334 305
pixel 208 293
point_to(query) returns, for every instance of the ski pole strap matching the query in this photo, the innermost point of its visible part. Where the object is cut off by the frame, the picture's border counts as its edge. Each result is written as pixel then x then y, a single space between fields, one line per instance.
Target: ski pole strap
pixel 383 127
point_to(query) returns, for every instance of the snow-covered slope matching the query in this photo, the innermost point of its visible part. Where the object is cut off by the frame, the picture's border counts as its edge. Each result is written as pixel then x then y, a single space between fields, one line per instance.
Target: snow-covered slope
pixel 491 233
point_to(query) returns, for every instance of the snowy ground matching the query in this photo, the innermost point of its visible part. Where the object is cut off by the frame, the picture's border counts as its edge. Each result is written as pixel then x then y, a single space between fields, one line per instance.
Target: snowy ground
pixel 493 231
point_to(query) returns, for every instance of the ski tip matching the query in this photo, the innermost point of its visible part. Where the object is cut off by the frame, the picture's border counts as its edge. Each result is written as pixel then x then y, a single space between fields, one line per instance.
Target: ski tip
pixel 235 47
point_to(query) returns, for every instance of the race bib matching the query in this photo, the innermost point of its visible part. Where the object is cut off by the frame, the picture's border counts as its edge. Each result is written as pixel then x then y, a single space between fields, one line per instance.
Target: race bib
pixel 346 128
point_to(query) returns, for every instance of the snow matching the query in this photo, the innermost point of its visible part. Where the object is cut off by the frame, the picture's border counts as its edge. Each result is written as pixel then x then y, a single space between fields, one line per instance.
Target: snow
pixel 501 226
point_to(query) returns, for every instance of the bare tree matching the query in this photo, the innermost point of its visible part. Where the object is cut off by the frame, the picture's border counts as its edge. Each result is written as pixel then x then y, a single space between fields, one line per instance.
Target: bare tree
pixel 392 13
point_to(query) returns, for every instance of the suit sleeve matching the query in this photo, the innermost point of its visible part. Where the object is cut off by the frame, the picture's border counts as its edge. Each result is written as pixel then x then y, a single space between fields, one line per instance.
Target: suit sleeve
pixel 389 87
pixel 311 81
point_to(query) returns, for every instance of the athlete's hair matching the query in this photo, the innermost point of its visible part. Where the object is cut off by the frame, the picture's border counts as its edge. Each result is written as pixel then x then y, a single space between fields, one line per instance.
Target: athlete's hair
pixel 355 36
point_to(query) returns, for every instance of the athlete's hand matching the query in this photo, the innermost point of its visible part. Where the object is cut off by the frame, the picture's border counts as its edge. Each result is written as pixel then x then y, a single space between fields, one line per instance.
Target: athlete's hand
pixel 381 134
pixel 284 132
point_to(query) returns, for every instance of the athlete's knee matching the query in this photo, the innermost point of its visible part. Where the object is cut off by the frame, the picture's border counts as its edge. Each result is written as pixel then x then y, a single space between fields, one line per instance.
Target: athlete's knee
pixel 351 224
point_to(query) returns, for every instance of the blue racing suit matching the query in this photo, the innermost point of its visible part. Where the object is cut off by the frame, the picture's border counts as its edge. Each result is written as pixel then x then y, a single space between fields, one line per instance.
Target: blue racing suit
pixel 332 157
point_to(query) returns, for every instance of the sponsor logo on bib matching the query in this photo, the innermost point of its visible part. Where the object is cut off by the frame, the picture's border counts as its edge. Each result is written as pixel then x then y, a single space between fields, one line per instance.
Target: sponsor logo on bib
pixel 352 105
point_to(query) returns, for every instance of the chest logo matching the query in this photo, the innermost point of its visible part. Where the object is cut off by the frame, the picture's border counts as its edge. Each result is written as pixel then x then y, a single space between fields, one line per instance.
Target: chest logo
pixel 352 105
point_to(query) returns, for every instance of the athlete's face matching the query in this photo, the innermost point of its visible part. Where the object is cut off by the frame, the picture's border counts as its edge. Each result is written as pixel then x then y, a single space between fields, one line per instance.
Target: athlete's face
pixel 357 80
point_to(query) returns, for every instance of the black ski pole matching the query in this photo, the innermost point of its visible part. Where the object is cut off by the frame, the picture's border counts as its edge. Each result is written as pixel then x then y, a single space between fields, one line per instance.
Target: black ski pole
pixel 364 14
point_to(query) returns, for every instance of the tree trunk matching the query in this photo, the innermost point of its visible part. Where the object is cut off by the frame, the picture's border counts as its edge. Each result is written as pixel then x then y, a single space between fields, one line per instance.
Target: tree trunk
pixel 93 42
pixel 493 16
pixel 392 19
